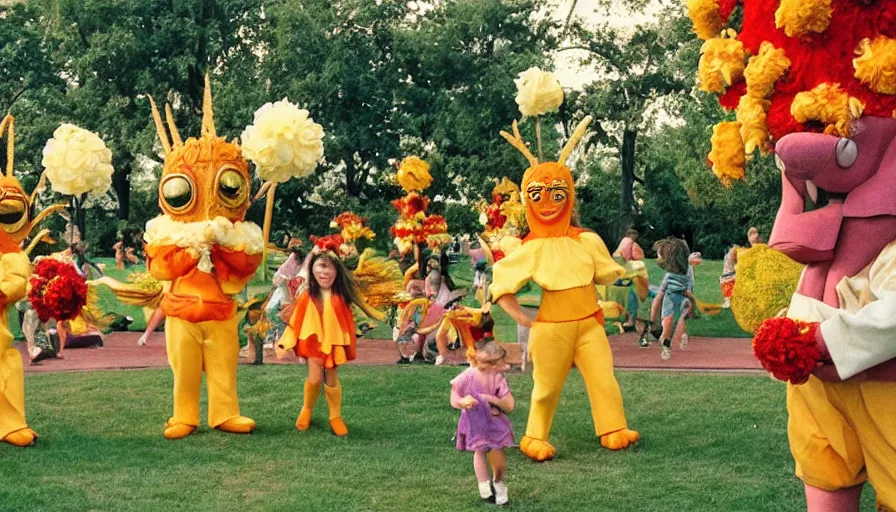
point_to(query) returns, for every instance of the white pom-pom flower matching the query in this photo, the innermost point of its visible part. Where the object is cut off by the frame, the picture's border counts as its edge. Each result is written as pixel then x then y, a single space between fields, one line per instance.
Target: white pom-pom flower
pixel 538 92
pixel 283 142
pixel 77 162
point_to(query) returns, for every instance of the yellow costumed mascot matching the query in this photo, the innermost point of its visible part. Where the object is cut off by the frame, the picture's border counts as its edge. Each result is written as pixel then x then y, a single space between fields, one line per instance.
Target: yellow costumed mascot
pixel 202 245
pixel 566 262
pixel 15 269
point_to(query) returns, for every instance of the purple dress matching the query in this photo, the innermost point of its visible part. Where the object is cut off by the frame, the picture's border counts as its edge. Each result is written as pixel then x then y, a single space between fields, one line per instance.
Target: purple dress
pixel 478 429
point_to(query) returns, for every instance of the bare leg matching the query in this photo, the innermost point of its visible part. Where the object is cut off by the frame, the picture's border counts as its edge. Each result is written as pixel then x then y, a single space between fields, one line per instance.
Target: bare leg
pixel 157 316
pixel 844 500
pixel 498 462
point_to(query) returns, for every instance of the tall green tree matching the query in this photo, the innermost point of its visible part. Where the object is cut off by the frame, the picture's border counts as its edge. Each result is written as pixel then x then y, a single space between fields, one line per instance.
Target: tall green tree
pixel 640 73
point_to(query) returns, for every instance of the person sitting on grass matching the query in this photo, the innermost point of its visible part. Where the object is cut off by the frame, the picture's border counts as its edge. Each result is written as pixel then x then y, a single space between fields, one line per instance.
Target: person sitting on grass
pixel 483 396
pixel 677 291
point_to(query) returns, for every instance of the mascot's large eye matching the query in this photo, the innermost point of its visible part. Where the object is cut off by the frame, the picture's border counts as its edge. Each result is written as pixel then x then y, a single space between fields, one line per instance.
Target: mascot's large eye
pixel 558 196
pixel 177 192
pixel 847 152
pixel 13 214
pixel 232 188
pixel 535 195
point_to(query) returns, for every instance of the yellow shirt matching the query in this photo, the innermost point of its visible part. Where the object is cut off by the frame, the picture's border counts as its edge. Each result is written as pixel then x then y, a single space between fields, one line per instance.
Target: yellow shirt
pixel 556 264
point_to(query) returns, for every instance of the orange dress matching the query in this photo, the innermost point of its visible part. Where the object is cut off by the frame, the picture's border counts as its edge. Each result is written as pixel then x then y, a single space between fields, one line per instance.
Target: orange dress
pixel 323 328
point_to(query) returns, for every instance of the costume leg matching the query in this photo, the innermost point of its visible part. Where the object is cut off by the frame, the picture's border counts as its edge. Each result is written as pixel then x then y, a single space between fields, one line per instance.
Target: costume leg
pixel 13 428
pixel 221 351
pixel 870 406
pixel 334 402
pixel 551 346
pixel 594 360
pixel 183 342
pixel 825 447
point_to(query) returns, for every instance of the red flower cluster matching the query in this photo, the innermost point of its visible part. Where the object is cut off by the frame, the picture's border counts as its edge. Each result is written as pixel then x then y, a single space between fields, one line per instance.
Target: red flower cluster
pixel 57 290
pixel 347 218
pixel 498 255
pixel 411 204
pixel 496 219
pixel 787 348
pixel 435 225
pixel 329 242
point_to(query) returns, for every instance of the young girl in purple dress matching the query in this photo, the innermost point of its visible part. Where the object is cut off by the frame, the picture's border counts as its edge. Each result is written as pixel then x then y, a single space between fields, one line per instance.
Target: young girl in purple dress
pixel 482 395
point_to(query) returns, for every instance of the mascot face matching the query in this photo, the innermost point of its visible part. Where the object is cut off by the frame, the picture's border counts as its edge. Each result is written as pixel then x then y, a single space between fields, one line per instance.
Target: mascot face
pixel 15 211
pixel 204 179
pixel 550 198
pixel 852 175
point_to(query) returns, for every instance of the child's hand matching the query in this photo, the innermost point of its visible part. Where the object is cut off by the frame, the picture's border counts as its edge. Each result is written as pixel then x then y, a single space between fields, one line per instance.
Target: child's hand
pixel 468 402
pixel 496 411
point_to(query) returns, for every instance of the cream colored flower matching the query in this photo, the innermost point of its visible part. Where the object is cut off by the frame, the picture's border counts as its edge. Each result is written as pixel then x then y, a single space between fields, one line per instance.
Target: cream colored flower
pixel 77 162
pixel 538 92
pixel 283 142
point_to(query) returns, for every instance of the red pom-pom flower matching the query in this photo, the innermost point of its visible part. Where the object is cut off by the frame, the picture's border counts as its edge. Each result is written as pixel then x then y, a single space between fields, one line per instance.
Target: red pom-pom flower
pixel 787 348
pixel 57 290
pixel 329 242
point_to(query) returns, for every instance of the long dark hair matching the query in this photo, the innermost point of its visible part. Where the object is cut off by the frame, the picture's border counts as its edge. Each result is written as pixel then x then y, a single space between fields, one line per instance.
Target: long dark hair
pixel 443 269
pixel 343 285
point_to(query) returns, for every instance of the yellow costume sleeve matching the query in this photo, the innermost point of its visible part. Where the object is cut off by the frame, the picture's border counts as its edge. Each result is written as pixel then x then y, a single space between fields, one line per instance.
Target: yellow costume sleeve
pixel 512 272
pixel 606 270
pixel 15 269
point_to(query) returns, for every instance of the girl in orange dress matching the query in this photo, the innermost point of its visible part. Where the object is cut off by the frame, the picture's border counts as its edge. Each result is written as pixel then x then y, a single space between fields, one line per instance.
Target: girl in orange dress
pixel 322 330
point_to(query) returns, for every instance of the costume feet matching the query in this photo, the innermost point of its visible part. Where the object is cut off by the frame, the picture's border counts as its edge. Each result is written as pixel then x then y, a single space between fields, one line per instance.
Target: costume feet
pixel 536 449
pixel 619 439
pixel 338 427
pixel 304 420
pixel 21 438
pixel 238 425
pixel 178 430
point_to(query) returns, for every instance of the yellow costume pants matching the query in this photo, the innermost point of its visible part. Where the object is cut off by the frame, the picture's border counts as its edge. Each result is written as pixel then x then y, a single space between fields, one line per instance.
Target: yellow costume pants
pixel 844 433
pixel 212 347
pixel 12 388
pixel 554 347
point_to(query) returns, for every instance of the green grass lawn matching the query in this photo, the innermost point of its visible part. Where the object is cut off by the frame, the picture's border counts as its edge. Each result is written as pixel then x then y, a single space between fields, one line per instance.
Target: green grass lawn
pixel 102 447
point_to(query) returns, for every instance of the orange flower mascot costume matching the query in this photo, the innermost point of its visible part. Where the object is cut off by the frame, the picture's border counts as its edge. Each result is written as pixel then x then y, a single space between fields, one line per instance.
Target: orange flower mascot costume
pixel 820 85
pixel 203 246
pixel 565 262
pixel 15 269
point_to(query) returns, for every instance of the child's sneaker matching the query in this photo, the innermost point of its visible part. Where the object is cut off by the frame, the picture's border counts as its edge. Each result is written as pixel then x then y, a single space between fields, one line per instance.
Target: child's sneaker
pixel 643 343
pixel 684 341
pixel 666 350
pixel 500 493
pixel 485 491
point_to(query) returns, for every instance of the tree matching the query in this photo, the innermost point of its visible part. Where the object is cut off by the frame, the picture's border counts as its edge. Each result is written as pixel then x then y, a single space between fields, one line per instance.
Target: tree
pixel 640 71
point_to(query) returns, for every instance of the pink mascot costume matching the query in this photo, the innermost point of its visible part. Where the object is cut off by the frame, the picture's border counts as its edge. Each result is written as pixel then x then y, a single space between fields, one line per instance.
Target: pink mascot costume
pixel 815 81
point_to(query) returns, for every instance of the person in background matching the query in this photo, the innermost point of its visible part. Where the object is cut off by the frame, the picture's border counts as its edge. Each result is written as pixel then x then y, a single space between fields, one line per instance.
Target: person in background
pixel 629 251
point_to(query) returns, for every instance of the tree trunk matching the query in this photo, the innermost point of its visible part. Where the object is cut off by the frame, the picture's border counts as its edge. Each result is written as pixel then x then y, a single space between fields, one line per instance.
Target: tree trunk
pixel 121 182
pixel 626 197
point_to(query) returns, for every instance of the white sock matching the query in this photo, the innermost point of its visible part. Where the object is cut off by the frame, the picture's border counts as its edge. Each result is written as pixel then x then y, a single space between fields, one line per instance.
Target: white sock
pixel 485 490
pixel 500 493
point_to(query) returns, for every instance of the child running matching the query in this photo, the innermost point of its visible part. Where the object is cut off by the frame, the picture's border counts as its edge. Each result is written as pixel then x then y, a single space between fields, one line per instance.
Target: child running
pixel 322 330
pixel 483 396
pixel 677 289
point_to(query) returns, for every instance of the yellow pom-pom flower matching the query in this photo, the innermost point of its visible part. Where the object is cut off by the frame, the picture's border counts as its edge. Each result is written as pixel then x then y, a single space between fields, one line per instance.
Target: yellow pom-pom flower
pixel 751 114
pixel 830 105
pixel 801 17
pixel 538 92
pixel 727 155
pixel 764 69
pixel 77 162
pixel 413 174
pixel 705 16
pixel 283 141
pixel 766 279
pixel 876 64
pixel 721 64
